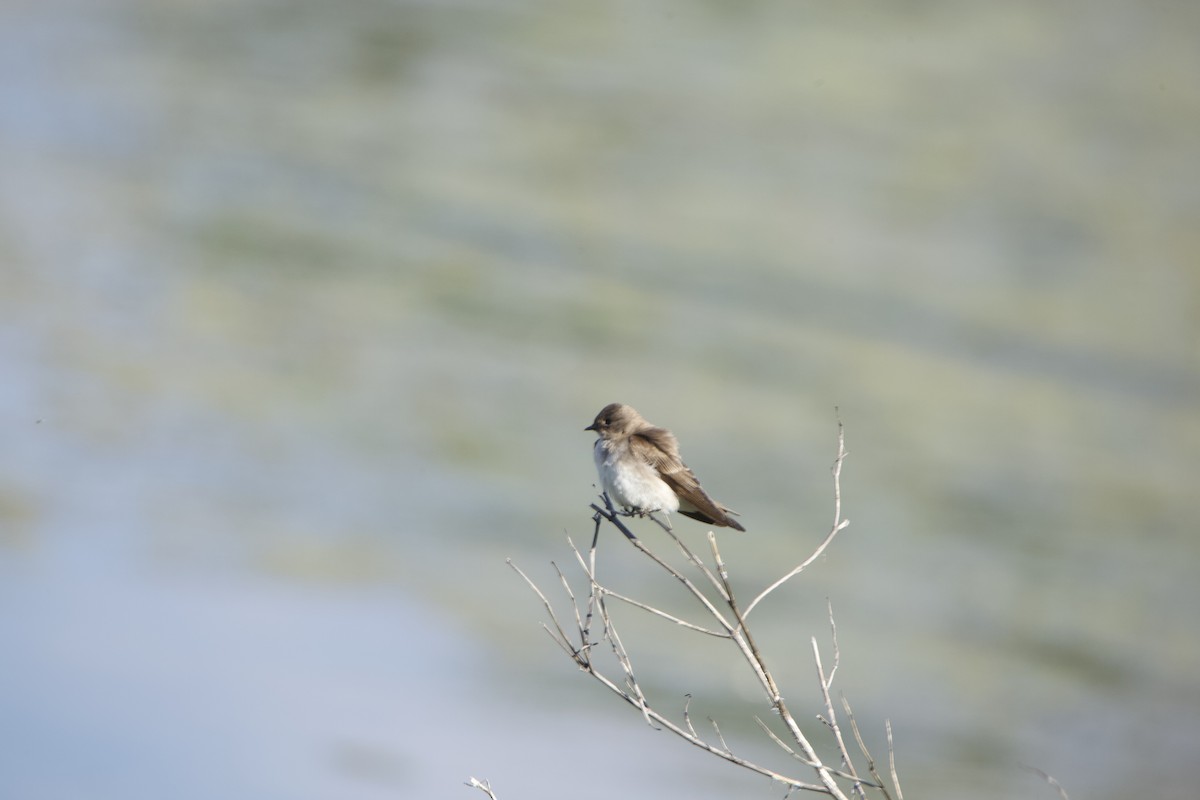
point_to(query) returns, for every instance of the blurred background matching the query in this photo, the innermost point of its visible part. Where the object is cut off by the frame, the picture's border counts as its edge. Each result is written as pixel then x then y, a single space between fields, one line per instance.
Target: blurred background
pixel 305 306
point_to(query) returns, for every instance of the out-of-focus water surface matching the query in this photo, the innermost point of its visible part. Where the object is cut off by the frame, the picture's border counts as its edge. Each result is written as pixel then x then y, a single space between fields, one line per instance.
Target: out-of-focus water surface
pixel 305 305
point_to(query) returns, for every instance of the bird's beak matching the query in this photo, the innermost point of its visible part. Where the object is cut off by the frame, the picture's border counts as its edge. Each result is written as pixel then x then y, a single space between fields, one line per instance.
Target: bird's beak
pixel 591 427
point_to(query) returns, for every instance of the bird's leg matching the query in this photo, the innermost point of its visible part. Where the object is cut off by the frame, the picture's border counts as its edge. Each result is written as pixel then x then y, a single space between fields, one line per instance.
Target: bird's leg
pixel 641 513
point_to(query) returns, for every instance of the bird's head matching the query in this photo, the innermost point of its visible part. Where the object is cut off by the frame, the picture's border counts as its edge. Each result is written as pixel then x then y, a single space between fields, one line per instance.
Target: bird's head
pixel 616 419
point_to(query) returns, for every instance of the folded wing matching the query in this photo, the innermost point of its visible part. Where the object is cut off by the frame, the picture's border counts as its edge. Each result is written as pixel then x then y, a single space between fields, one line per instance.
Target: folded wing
pixel 659 448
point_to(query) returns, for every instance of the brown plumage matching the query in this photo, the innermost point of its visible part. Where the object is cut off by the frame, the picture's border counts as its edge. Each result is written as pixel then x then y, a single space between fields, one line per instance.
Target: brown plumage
pixel 640 469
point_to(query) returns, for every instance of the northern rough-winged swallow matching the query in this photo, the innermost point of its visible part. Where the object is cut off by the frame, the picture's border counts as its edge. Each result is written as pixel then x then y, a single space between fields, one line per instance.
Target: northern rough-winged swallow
pixel 641 471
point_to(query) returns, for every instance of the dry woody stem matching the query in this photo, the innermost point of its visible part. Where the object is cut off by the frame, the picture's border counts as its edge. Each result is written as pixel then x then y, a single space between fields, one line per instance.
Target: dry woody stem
pixel 722 616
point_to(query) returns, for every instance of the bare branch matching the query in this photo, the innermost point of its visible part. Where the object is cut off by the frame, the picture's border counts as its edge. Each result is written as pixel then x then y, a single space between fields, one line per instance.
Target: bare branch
pixel 703 745
pixel 618 648
pixel 665 615
pixel 838 523
pixel 559 634
pixel 1048 778
pixel 831 719
pixel 720 735
pixel 837 653
pixel 664 524
pixel 589 569
pixel 581 625
pixel 700 565
pixel 728 622
pixel 754 658
pixel 767 729
pixel 806 762
pixel 687 717
pixel 566 648
pixel 862 746
pixel 612 515
pixel 483 786
pixel 887 724
pixel 691 587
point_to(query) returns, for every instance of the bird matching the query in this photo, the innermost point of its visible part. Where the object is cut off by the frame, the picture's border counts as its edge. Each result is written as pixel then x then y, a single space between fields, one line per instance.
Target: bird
pixel 641 471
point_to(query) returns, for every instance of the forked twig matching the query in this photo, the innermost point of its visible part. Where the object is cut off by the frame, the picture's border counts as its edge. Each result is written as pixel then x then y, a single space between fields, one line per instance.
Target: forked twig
pixel 831 715
pixel 679 576
pixel 728 622
pixel 660 613
pixel 784 746
pixel 558 634
pixel 862 746
pixel 687 717
pixel 483 786
pixel 838 523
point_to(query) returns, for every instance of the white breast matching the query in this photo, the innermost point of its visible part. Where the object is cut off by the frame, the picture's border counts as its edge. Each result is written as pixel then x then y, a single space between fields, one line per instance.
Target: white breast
pixel 631 483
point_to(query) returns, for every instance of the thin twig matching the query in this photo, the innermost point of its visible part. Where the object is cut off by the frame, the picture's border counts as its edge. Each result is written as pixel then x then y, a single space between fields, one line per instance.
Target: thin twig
pixel 837 653
pixel 691 587
pixel 596 519
pixel 731 624
pixel 749 649
pixel 862 746
pixel 826 681
pixel 580 624
pixel 589 569
pixel 784 745
pixel 1048 778
pixel 697 562
pixel 635 698
pixel 687 717
pixel 660 613
pixel 887 724
pixel 483 786
pixel 611 515
pixel 741 636
pixel 719 734
pixel 801 567
pixel 561 636
pixel 805 761
pixel 665 525
pixel 838 523
pixel 703 745
pixel 618 648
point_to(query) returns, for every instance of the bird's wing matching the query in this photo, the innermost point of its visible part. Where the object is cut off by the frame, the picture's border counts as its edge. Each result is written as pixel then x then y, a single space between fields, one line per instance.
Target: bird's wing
pixel 659 448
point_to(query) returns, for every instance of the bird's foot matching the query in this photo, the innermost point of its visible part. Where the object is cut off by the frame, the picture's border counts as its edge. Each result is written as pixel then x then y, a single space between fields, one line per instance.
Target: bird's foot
pixel 643 513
